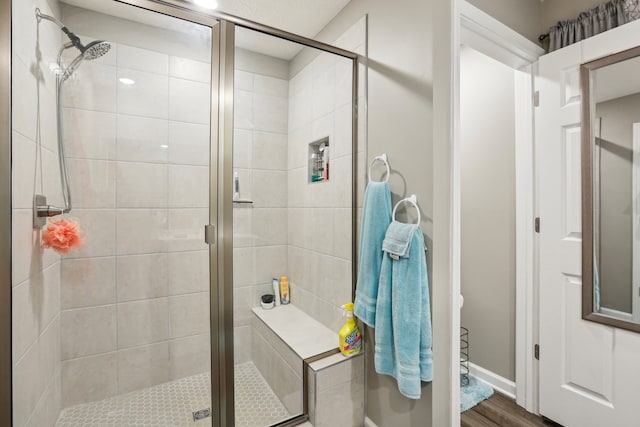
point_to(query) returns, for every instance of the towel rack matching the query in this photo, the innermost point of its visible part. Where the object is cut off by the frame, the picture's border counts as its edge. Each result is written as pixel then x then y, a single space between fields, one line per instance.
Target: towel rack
pixel 383 158
pixel 411 200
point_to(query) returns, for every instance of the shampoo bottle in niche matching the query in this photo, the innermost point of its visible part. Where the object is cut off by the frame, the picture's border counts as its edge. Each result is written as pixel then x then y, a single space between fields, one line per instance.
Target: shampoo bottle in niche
pixel 284 290
pixel 350 337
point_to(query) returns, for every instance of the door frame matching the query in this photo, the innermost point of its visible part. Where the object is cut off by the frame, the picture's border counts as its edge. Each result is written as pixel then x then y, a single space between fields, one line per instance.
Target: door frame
pixel 221 177
pixel 489 36
pixel 6 362
pixel 635 284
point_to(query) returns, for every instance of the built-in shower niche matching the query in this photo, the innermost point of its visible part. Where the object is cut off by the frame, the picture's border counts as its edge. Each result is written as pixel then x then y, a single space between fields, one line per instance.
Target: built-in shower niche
pixel 318 168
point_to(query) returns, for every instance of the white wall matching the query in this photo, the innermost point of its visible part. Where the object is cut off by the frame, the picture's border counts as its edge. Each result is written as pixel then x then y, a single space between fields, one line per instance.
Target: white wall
pixel 35 272
pixel 135 298
pixel 487 124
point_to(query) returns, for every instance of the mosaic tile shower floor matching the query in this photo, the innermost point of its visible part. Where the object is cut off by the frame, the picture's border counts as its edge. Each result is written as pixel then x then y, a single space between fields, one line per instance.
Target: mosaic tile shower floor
pixel 171 404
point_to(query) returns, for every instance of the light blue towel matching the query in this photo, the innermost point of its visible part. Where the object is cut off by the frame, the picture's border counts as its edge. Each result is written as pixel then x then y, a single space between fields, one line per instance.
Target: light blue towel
pixel 398 242
pixel 376 217
pixel 403 315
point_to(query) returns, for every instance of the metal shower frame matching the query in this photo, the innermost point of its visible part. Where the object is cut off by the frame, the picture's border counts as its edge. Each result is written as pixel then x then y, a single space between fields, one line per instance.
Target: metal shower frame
pixel 221 202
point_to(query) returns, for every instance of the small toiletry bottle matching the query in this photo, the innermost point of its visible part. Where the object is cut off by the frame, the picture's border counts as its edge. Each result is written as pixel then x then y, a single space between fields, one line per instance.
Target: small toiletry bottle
pixel 326 164
pixel 284 290
pixel 276 290
pixel 236 186
pixel 350 337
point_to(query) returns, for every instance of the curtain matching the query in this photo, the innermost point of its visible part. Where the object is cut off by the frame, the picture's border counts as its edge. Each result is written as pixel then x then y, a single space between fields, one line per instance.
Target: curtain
pixel 632 9
pixel 595 21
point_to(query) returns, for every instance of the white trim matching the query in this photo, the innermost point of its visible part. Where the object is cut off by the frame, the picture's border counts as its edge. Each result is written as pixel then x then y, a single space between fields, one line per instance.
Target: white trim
pixel 526 306
pixel 369 423
pixel 499 383
pixel 635 254
pixel 446 215
pixel 491 37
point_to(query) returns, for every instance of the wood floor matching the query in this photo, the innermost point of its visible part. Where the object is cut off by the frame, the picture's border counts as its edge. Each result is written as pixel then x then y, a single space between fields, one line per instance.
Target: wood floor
pixel 500 410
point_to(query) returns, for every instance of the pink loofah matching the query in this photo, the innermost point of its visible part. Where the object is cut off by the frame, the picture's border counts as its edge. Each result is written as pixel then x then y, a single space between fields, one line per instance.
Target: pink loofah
pixel 62 236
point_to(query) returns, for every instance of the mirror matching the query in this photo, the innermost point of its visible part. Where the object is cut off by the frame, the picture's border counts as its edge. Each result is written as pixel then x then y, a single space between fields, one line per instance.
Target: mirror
pixel 611 190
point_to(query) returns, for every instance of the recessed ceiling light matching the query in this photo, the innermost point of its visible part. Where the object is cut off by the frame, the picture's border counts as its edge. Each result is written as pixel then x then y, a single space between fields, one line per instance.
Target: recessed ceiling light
pixel 164 146
pixel 209 4
pixel 126 81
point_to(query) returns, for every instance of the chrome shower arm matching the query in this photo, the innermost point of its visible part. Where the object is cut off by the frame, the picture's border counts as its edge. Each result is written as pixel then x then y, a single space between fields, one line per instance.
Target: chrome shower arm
pixel 42 16
pixel 75 40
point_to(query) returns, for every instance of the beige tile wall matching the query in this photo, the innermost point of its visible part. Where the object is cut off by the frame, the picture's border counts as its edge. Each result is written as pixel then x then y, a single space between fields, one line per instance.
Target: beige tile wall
pixel 320 214
pixel 279 365
pixel 259 158
pixel 336 391
pixel 35 272
pixel 135 301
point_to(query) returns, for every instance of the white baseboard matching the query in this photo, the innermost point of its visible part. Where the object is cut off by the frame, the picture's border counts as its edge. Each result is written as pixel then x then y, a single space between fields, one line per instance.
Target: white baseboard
pixel 500 384
pixel 369 423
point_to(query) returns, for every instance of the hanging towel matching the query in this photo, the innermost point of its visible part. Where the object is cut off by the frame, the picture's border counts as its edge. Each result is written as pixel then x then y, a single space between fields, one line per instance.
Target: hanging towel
pixel 403 315
pixel 397 243
pixel 376 217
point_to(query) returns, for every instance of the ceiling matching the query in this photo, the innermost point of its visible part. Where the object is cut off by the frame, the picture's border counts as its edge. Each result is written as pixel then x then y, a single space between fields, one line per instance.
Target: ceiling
pixel 302 17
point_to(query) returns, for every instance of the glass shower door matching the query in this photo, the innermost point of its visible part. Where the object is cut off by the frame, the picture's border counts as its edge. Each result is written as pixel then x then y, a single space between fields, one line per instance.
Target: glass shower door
pixel 293 169
pixel 115 332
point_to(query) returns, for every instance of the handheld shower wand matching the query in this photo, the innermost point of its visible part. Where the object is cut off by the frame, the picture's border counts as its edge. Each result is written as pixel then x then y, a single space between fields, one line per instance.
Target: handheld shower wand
pixel 92 50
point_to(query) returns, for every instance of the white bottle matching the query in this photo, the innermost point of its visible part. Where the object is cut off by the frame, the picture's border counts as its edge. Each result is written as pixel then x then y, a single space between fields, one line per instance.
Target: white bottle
pixel 276 290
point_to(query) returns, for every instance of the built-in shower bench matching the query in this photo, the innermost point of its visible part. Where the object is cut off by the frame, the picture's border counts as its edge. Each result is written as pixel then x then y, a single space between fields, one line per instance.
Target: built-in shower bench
pixel 283 339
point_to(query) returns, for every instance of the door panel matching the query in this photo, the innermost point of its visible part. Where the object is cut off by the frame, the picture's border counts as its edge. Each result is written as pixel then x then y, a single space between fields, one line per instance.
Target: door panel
pixel 575 374
pixel 587 370
pixel 116 332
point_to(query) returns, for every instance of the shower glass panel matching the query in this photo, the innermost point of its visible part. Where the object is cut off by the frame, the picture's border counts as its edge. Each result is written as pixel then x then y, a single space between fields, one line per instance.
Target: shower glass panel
pixel 117 331
pixel 292 216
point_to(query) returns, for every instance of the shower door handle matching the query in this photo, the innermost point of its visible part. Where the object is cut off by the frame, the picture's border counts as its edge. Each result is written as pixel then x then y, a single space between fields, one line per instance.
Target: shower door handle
pixel 210 234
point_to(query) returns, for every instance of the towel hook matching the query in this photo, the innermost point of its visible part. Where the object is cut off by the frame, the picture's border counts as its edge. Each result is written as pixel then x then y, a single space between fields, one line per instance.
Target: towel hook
pixel 412 200
pixel 383 158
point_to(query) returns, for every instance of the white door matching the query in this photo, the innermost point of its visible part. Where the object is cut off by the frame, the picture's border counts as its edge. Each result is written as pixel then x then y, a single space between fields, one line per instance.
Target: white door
pixel 589 373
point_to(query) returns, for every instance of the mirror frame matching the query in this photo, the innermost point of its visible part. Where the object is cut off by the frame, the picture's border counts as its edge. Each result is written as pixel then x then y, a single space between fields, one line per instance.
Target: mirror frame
pixel 588 136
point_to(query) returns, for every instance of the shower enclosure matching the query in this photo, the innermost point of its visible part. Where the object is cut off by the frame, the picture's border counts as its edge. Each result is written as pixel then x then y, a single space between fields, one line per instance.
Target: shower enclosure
pixel 205 155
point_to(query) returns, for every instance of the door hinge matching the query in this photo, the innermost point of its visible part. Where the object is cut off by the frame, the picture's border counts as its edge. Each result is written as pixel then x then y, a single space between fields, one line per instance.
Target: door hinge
pixel 536 98
pixel 210 234
pixel 536 225
pixel 536 351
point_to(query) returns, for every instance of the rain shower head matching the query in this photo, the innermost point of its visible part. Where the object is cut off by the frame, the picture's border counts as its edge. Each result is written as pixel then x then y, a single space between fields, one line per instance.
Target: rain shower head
pixel 95 49
pixel 89 52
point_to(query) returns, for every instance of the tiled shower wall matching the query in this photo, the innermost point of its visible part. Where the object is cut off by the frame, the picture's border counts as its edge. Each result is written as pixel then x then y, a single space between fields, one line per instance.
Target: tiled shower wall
pixel 35 272
pixel 320 214
pixel 295 228
pixel 135 301
pixel 260 159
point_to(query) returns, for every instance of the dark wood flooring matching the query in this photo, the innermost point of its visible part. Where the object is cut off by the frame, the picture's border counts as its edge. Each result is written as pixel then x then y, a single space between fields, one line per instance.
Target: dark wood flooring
pixel 500 410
